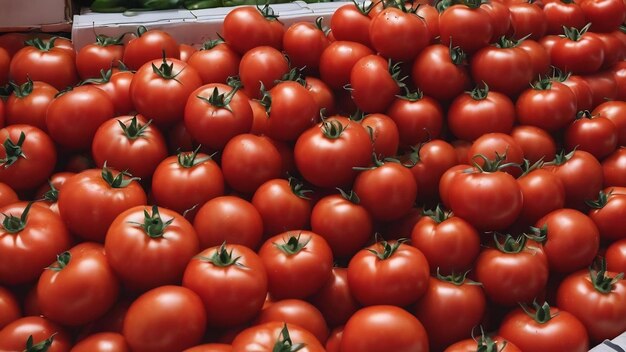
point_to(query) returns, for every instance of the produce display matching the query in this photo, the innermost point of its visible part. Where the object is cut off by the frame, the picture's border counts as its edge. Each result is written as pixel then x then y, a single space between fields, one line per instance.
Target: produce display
pixel 411 178
pixel 112 6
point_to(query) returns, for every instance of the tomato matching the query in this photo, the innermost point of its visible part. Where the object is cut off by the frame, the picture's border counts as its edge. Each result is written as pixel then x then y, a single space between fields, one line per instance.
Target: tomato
pixel 616 256
pixel 167 318
pixel 334 299
pixel 542 191
pixel 129 143
pixel 291 110
pixel 12 42
pixel 149 45
pixel 479 112
pixel 228 219
pixel 548 105
pixel 276 336
pixel 373 83
pixel 9 308
pixel 304 43
pixel 383 133
pixel 90 201
pixel 544 329
pixel 398 34
pixel 594 134
pixel 604 15
pixel 581 174
pixel 419 118
pixel 45 62
pixel 582 91
pixel 7 195
pixel 449 243
pixel 469 27
pixel 291 256
pixel 613 48
pixel 30 239
pixel 436 62
pixel 46 336
pixel 539 57
pixel 536 143
pixel 351 22
pixel 160 92
pixel 261 67
pixel 603 86
pixel 333 343
pixel 597 298
pixel 210 347
pixel 439 308
pixel 5 64
pixel 446 181
pixel 215 62
pixel 28 104
pixel 619 73
pixel 578 52
pixel 560 13
pixel 483 343
pixel 238 284
pixel 326 154
pixel 104 54
pixel 616 112
pixel 321 93
pixel 431 16
pixel 117 86
pixel 497 146
pixel 48 194
pixel 283 205
pixel 248 27
pixel 102 342
pixel 614 168
pixel 248 161
pixel 337 61
pixel 388 273
pixel 384 328
pixel 79 287
pixel 297 312
pixel 571 239
pixel 83 108
pixel 186 51
pixel 527 18
pixel 607 212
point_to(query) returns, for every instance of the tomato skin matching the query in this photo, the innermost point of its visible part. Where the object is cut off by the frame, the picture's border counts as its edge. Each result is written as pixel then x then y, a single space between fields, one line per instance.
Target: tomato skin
pixel 349 23
pixel 604 15
pixel 94 57
pixel 7 195
pixel 384 328
pixel 293 110
pixel 281 206
pixel 581 174
pixel 321 93
pixel 167 318
pixel 616 112
pixel 609 217
pixel 245 28
pixel 493 144
pixel 446 181
pixel 469 118
pixel 373 87
pixel 9 308
pixel 614 168
pixel 158 260
pixel 470 29
pixel 118 89
pixel 210 347
pixel 399 280
pixel 470 345
pixel 304 43
pixel 505 70
pixel 263 338
pixel 384 132
pixel 12 42
pixel 337 61
pixel 619 73
pixel 285 271
pixel 582 91
pixel 102 342
pixel 603 86
pixel 572 232
pixel 82 291
pixel 237 291
pixel 261 65
pixel 149 46
pixel 334 299
pixel 139 154
pixel 398 35
pixel 527 19
pixel 535 142
pixel 88 204
pixel 55 66
pixel 434 63
pixel 30 109
pixel 594 134
pixel 333 344
pixel 13 337
pixel 562 13
pixel 616 256
pixel 579 57
pixel 543 192
pixel 418 119
pixel 439 308
pixel 215 64
pixel 550 109
pixel 297 312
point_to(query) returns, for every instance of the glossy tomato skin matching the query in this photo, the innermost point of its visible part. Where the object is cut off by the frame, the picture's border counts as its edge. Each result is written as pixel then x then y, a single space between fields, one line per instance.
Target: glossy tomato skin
pixel 30 105
pixel 304 43
pixel 88 204
pixel 117 87
pixel 292 111
pixel 297 312
pixel 24 254
pixel 337 61
pixel 418 118
pixel 384 134
pixel 604 15
pixel 458 21
pixel 551 108
pixel 398 35
pixel 160 257
pixel 543 192
pixel 373 87
pixel 471 345
pixel 10 309
pixel 431 160
pixel 614 168
pixel 594 134
pixel 334 299
pixel 399 279
pixel 81 291
pixel 149 45
pixel 210 347
pixel 616 112
pixel 167 318
pixel 321 93
pixel 215 62
pixel 505 69
pixel 581 175
pixel 582 92
pixel 13 337
pixel 350 23
pixel 247 27
pixel 282 206
pixel 94 57
pixel 265 337
pixel 261 65
pixel 535 142
pixel 32 162
pixel 293 255
pixel 237 290
pixel 527 19
pixel 382 328
pixel 433 64
pixel 54 66
pixel 5 63
pixel 616 256
pixel 7 195
pixel 603 86
pixel 102 342
pixel 608 214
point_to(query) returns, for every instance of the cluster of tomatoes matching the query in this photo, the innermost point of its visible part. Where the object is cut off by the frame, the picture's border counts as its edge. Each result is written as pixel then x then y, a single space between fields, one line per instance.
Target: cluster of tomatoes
pixel 413 178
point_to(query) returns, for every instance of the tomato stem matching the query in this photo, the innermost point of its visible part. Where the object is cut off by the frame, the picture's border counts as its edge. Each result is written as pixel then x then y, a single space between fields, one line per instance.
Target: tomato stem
pixel 52 195
pixel 332 129
pixel 388 249
pixel 13 224
pixel 297 187
pixel 542 312
pixel 438 214
pixel 134 129
pixel 13 151
pixel 189 159
pixel 601 281
pixel 222 258
pixel 63 260
pixel 352 196
pixel 40 45
pixel 284 343
pixel 292 245
pixel 23 90
pixel 118 181
pixel 104 41
pixel 42 346
pixel 153 224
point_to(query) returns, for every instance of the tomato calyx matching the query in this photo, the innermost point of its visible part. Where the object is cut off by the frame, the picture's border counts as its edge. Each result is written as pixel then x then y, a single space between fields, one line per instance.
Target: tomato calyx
pixel 364 8
pixel 510 244
pixel 388 249
pixel 599 278
pixel 539 234
pixel 575 34
pixel 189 159
pixel 528 168
pixel 601 201
pixel 42 346
pixel 293 245
pixel 51 195
pixel 140 31
pixel 352 197
pixel 62 261
pixel 40 45
pixel 457 55
pixel 395 69
pixel 543 83
pixel 561 158
pixel 266 98
pixel 212 43
pixel 411 96
pixel 267 12
pixel 134 129
pixel 284 343
pixel 105 77
pixel 153 224
pixel 166 71
pixel 491 165
pixel 438 214
pixel 294 75
pixel 585 114
pixel 479 93
pixel 117 181
pixel 508 43
pixel 22 90
pixel 13 224
pixel 332 129
pixel 104 41
pixel 456 278
pixel 221 101
pixel 541 313
pixel 473 4
pixel 13 151
pixel 484 343
pixel 222 258
pixel 297 187
pixel 319 22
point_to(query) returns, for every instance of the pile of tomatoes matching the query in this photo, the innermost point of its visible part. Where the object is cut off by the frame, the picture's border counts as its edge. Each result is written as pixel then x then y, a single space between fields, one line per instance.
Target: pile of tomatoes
pixel 415 177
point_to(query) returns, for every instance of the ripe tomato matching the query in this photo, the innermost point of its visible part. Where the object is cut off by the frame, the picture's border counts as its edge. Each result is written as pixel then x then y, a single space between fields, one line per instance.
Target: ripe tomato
pixel 215 62
pixel 388 273
pixel 439 308
pixel 327 153
pixel 149 45
pixel 616 112
pixel 398 34
pixel 383 133
pixel 334 299
pixel 578 52
pixel 297 312
pixel 160 241
pixel 291 110
pixel 384 328
pixel 527 19
pixel 419 118
pixel 337 61
pixel 261 67
pixel 283 205
pixel 12 42
pixel 542 192
pixel 248 27
pixel 10 310
pixel 90 200
pixel 374 83
pixel 102 342
pixel 210 347
pixel 435 62
pixel 483 343
pixel 545 329
pixel 79 287
pixel 167 318
pixel 30 239
pixel 34 334
pixel 186 51
pixel 449 243
pixel 468 26
pixel 581 174
pixel 594 134
pixel 238 284
pixel 7 195
pixel 304 43
pixel 291 256
pixel 276 336
pixel 616 256
pixel 608 212
pixel 603 86
pixel 321 93
pixel 561 14
pixel 582 91
pixel 117 86
pixel 536 143
pixel 614 168
pixel 446 181
pixel 351 22
pixel 333 343
pixel 104 54
pixel 28 104
pixel 497 146
pixel 548 105
pixel 604 15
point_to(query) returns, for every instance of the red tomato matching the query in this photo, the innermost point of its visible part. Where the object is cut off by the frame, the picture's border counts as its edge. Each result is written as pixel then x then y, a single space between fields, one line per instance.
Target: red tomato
pixel 616 256
pixel 497 146
pixel 384 328
pixel 603 86
pixel 578 52
pixel 446 181
pixel 117 86
pixel 167 318
pixel 216 61
pixel 28 104
pixel 608 212
pixel 497 343
pixel 561 14
pixel 102 55
pixel 334 299
pixel 210 347
pixel 149 45
pixel 581 174
pixel 337 61
pixel 419 118
pixel 469 27
pixel 12 42
pixel 283 205
pixel 186 51
pixel 5 63
pixel 436 62
pixel 333 344
pixel 431 16
pixel 297 312
pixel 276 336
pixel 536 143
pixel 9 308
pixel 582 91
pixel 527 18
pixel 321 93
pixel 604 15
pixel 398 34
pixel 261 67
pixel 429 162
pixel 7 195
pixel 238 284
pixel 351 22
pixel 89 201
pixel 383 133
pixel 616 112
pixel 548 105
pixel 46 336
pixel 614 168
pixel 374 84
pixel 292 256
pixel 30 239
pixel 304 43
pixel 248 27
pixel 160 241
pixel 539 56
pixel 594 134
pixel 102 342
pixel 542 191
pixel 291 110
pixel 619 73
pixel 546 329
